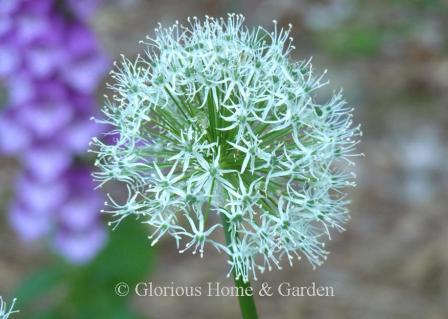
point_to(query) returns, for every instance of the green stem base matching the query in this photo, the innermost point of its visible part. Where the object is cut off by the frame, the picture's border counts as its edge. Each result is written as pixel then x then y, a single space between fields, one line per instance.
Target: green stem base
pixel 247 302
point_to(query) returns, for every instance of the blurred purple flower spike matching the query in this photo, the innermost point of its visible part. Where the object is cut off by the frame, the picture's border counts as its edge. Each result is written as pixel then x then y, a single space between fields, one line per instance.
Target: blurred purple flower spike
pixel 52 63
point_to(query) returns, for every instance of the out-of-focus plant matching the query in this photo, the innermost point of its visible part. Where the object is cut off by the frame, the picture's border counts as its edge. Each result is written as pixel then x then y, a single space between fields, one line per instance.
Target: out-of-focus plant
pixel 217 121
pixel 51 64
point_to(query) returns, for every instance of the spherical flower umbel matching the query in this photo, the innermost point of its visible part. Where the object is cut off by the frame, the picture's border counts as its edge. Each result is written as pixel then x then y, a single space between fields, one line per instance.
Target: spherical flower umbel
pixel 215 120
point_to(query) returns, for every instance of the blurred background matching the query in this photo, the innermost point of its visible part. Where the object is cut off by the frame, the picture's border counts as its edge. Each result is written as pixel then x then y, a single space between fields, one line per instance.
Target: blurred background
pixel 57 254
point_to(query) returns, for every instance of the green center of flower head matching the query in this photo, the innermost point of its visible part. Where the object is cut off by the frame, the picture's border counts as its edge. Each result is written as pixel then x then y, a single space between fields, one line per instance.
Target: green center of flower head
pixel 215 119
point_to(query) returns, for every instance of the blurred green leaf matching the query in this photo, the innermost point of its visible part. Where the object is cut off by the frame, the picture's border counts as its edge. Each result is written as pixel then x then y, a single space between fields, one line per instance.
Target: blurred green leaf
pixel 39 283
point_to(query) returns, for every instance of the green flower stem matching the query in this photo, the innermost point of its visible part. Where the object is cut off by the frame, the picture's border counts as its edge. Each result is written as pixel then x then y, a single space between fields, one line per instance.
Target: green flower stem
pixel 247 303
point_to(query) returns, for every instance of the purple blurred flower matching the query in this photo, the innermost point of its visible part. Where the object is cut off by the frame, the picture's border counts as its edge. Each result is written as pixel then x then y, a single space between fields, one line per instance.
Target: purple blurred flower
pixel 52 63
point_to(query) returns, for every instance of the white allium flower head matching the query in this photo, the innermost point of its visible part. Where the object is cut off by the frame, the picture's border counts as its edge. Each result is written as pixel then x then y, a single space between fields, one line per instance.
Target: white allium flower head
pixel 4 311
pixel 215 120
